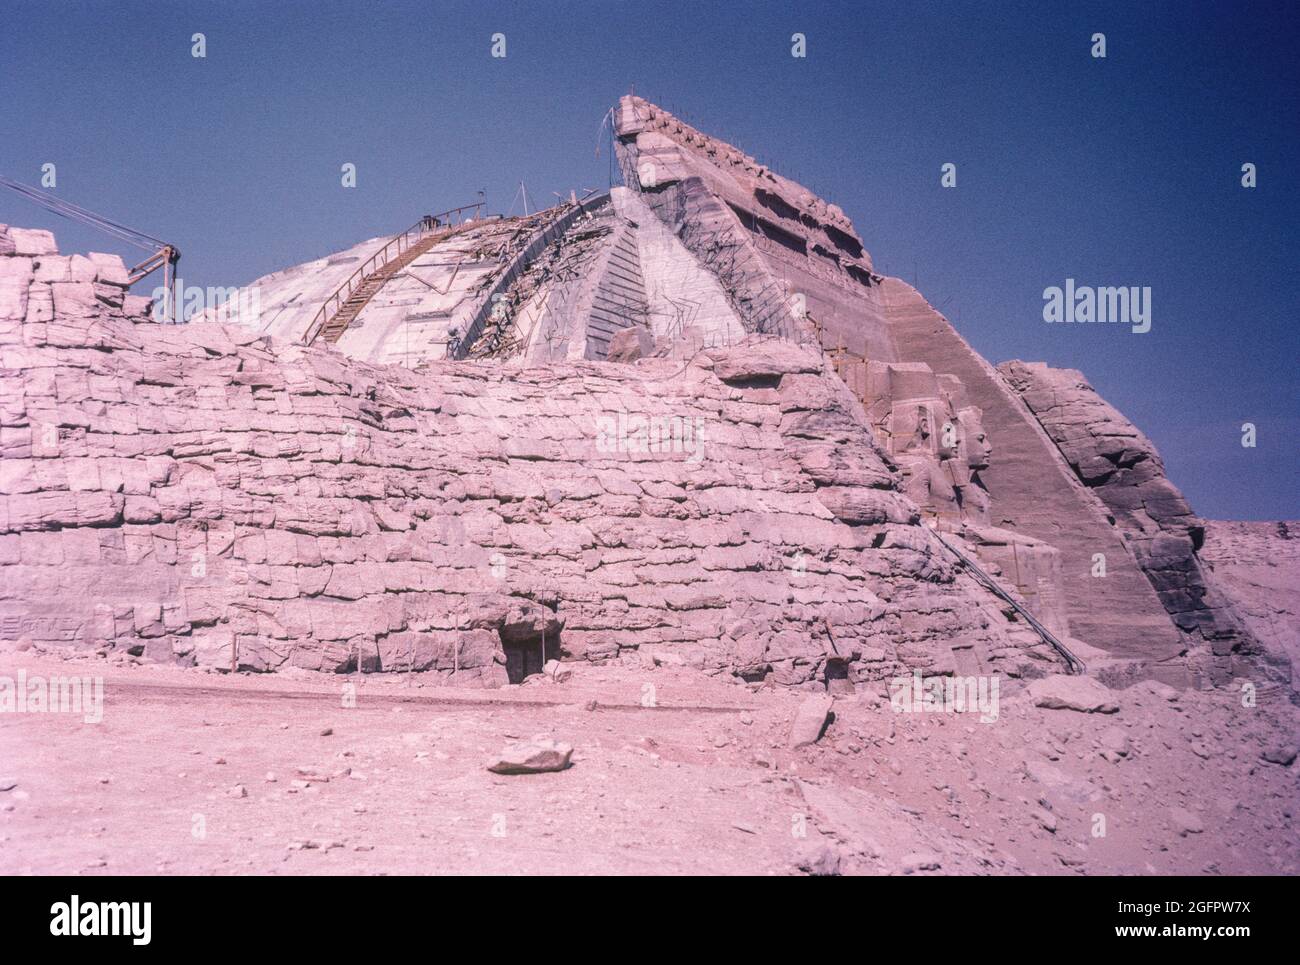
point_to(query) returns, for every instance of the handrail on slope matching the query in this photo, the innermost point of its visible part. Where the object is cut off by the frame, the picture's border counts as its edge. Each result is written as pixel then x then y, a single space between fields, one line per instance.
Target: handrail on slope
pixel 1076 665
pixel 395 247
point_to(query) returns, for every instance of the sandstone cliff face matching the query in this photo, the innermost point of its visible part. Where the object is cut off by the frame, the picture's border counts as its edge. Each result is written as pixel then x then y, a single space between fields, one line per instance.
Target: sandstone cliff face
pixel 1255 564
pixel 1034 492
pixel 791 263
pixel 210 495
pixel 1122 467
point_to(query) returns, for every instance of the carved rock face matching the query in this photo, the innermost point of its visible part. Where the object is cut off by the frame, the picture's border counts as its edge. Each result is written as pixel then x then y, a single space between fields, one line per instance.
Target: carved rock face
pixel 917 426
pixel 975 443
pixel 938 441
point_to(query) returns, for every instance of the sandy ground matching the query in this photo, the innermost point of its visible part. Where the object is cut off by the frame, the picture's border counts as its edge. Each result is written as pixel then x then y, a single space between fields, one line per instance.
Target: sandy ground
pixel 198 773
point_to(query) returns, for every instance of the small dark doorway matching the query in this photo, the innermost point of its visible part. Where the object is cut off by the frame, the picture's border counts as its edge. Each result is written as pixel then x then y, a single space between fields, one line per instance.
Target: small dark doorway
pixel 837 676
pixel 523 657
pixel 530 636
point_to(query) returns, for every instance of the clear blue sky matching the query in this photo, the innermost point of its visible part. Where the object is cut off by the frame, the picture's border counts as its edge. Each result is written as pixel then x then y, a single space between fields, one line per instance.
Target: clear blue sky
pixel 1123 171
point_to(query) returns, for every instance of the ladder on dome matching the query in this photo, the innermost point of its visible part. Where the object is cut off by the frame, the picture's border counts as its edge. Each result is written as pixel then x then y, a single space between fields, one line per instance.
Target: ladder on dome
pixel 342 307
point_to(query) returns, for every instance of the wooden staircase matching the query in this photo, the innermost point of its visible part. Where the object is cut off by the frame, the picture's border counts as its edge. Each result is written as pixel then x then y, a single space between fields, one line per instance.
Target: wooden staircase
pixel 341 309
pixel 338 323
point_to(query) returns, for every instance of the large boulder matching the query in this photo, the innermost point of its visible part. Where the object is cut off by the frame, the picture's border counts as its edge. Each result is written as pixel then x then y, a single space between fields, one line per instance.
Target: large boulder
pixel 536 756
pixel 810 720
pixel 1083 694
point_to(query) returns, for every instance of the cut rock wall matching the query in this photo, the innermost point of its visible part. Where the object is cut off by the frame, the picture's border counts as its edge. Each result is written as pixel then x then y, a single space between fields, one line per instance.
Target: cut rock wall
pixel 209 495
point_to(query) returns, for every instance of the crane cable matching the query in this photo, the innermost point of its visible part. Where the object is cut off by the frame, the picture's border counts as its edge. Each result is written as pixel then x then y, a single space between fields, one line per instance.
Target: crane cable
pixel 162 255
pixel 75 212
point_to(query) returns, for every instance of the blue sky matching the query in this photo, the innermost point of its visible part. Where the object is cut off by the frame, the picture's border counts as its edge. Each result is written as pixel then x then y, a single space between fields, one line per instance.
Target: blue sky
pixel 1122 171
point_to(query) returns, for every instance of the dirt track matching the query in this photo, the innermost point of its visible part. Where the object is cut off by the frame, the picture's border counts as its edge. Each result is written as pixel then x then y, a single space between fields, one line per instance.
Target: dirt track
pixel 702 783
